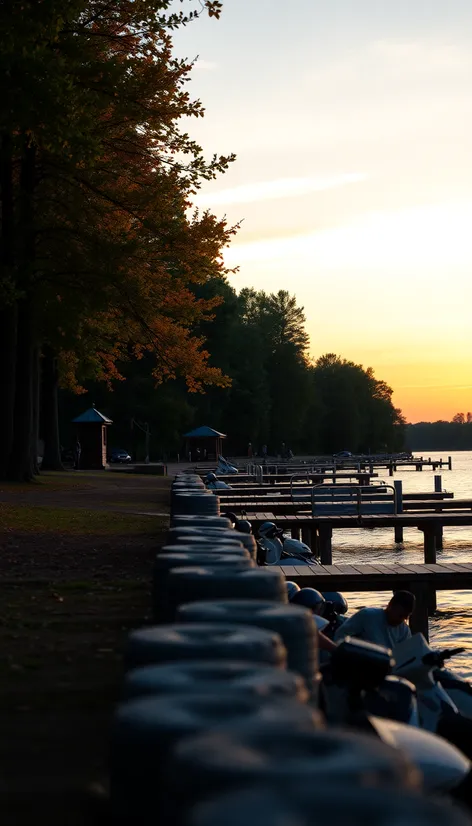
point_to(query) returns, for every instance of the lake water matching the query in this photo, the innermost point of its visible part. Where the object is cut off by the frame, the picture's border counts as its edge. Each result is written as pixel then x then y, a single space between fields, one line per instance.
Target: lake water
pixel 452 623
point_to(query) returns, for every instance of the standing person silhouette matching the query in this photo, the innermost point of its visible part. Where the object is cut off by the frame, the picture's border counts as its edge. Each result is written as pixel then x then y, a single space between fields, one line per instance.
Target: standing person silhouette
pixel 77 452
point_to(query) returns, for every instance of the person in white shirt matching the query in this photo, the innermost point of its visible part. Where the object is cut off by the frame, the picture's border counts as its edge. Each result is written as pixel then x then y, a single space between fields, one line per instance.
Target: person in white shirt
pixel 382 626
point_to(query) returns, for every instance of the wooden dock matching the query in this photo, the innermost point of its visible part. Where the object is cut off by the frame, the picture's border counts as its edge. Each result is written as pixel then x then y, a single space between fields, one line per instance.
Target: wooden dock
pixel 244 482
pixel 317 531
pixel 317 477
pixel 282 491
pixel 258 467
pixel 287 506
pixel 422 580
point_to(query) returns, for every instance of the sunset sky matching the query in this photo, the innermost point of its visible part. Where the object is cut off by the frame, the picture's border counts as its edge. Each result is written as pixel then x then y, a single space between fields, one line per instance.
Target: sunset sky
pixel 352 123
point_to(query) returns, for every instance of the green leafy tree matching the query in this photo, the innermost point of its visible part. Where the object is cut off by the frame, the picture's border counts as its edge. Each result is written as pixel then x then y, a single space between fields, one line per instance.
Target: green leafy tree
pixel 357 413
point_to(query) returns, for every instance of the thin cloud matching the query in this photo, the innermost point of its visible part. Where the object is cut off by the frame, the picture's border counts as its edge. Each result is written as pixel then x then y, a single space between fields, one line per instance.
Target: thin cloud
pixel 422 56
pixel 436 235
pixel 205 65
pixel 280 188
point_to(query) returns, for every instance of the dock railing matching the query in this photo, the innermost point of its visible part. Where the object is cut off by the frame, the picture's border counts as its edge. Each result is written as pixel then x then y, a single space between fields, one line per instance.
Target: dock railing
pixel 293 492
pixel 351 500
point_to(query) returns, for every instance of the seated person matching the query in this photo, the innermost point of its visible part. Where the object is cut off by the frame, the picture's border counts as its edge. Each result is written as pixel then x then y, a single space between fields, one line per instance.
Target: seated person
pixel 382 626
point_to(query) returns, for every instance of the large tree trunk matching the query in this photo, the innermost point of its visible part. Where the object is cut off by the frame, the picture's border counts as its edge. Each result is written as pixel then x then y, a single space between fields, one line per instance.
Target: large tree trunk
pixel 20 464
pixel 36 402
pixel 8 328
pixel 49 412
pixel 8 308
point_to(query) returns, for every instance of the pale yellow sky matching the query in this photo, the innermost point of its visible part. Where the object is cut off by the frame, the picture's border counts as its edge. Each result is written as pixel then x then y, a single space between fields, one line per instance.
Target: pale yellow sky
pixel 353 130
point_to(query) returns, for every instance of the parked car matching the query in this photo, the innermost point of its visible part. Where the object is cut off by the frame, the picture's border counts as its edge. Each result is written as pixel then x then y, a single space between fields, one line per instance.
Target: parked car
pixel 343 454
pixel 119 456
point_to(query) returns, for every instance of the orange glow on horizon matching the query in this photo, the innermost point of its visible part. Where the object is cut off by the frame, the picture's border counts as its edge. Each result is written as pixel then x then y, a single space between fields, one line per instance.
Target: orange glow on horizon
pixel 428 392
pixel 431 404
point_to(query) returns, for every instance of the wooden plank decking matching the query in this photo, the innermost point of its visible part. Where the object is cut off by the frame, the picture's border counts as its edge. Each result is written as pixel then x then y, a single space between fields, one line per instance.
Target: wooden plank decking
pixel 420 579
pixel 286 506
pixel 317 531
pixel 313 476
pixel 372 521
pixel 282 492
pixel 379 577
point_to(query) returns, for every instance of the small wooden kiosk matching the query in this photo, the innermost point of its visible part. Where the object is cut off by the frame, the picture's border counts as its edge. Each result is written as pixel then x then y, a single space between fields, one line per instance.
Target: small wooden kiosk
pixel 203 443
pixel 91 431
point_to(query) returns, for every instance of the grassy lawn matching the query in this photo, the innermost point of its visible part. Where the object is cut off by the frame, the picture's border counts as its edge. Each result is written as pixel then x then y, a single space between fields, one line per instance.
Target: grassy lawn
pixel 75 521
pixel 52 480
pixel 75 577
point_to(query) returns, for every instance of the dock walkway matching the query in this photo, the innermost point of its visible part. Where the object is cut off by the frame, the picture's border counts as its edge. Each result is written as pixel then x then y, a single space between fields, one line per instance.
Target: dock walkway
pixel 287 506
pixel 282 492
pixel 421 580
pixel 315 476
pixel 317 531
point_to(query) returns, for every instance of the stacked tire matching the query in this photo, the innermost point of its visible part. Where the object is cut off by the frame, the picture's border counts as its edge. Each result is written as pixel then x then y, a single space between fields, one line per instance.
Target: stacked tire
pixel 206 676
pixel 199 641
pixel 147 730
pixel 185 556
pixel 194 583
pixel 294 623
pixel 211 719
pixel 185 534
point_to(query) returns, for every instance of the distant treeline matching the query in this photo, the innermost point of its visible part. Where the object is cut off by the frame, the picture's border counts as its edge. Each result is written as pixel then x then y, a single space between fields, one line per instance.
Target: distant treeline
pixel 277 395
pixel 455 435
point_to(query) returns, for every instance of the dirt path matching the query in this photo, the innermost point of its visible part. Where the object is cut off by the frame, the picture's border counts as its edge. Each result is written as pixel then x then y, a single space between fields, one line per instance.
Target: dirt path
pixel 74 578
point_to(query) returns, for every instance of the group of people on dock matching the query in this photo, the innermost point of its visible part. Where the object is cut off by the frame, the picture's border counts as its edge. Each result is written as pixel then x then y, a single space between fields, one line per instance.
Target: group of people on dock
pixel 284 452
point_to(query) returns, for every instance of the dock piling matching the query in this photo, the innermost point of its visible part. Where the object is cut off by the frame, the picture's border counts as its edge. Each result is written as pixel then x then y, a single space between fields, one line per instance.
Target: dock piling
pixel 326 544
pixel 432 601
pixel 419 618
pixel 430 535
pixel 398 529
pixel 438 483
pixel 314 541
pixel 398 485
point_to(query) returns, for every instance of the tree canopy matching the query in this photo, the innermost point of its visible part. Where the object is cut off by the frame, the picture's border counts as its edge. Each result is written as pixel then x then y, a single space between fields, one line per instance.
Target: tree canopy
pixel 100 249
pixel 441 435
pixel 277 395
pixel 110 279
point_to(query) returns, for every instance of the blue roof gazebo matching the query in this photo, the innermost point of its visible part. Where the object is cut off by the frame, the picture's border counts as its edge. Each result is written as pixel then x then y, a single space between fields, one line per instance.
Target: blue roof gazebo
pixel 92 416
pixel 91 429
pixel 205 439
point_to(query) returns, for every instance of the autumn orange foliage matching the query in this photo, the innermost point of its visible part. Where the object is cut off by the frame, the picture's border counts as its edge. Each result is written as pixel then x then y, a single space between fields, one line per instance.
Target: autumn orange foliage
pixel 119 242
pixel 100 252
